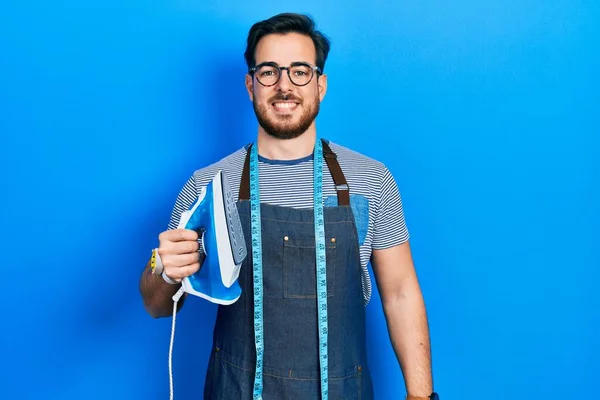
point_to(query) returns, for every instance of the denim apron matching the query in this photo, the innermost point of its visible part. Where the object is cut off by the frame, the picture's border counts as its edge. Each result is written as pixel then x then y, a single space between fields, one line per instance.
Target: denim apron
pixel 291 343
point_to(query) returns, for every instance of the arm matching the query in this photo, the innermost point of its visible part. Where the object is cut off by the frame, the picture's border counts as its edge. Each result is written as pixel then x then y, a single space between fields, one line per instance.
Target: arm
pixel 157 294
pixel 179 258
pixel 406 316
pixel 178 250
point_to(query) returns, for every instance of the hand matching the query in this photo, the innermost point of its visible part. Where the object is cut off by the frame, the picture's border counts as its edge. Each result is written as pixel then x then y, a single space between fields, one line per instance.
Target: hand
pixel 178 249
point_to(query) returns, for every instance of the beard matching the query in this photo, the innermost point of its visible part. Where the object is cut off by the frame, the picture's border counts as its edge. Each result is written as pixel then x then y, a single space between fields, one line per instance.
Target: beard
pixel 281 126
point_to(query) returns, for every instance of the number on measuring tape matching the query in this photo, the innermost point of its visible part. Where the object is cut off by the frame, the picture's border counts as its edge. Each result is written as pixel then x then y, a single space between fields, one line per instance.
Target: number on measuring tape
pixel 321 268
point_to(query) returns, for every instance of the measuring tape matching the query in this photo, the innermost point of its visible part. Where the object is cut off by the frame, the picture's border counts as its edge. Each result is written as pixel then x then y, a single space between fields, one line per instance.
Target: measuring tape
pixel 321 266
pixel 256 271
pixel 257 268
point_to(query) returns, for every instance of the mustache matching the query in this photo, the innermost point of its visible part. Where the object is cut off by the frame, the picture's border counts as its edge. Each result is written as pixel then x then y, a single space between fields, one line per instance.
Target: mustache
pixel 285 97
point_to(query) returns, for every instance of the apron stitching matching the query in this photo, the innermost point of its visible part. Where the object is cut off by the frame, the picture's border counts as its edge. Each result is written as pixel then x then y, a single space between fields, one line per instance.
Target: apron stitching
pixel 338 378
pixel 300 222
pixel 359 377
pixel 309 247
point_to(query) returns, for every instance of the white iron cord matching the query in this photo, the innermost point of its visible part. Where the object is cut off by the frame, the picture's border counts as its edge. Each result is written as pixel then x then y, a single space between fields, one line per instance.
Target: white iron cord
pixel 176 298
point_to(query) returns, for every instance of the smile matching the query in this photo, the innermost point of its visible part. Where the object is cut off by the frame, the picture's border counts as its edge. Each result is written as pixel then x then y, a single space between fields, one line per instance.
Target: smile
pixel 285 106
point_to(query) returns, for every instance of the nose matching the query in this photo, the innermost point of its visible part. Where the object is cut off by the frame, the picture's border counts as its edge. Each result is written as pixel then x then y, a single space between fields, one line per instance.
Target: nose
pixel 285 84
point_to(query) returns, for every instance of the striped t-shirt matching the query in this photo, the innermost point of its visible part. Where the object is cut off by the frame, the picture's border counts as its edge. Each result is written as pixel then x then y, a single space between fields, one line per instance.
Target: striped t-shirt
pixel 374 195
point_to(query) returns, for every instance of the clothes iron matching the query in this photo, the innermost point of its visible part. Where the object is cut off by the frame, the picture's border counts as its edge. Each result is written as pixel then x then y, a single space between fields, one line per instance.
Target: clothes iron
pixel 215 217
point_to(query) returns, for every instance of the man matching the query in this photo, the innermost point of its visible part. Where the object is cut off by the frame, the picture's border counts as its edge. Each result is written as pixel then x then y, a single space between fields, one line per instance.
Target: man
pixel 286 84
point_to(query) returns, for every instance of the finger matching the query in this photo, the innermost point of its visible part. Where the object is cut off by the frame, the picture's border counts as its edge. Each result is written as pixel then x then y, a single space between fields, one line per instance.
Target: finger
pixel 178 235
pixel 179 260
pixel 177 248
pixel 182 272
pixel 186 247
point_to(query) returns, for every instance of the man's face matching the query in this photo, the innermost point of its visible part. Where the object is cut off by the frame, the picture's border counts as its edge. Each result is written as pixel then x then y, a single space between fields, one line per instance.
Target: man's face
pixel 286 110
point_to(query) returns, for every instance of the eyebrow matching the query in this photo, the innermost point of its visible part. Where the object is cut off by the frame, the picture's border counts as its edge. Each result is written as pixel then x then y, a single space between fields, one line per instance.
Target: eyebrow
pixel 292 63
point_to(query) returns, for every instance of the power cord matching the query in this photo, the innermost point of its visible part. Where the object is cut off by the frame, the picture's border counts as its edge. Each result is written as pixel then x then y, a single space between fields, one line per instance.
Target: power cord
pixel 176 298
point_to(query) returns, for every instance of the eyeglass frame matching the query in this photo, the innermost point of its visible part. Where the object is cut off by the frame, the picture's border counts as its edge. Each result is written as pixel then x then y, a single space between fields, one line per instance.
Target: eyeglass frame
pixel 314 69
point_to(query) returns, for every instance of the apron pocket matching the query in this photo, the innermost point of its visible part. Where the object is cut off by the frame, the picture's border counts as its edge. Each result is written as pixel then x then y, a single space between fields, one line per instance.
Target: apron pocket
pixel 299 267
pixel 348 386
pixel 228 380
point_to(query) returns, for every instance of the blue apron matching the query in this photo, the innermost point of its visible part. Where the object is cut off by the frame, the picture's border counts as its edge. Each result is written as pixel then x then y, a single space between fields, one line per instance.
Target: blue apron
pixel 291 343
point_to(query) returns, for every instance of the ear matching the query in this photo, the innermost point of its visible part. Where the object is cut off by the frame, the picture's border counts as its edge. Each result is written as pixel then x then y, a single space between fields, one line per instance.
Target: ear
pixel 322 86
pixel 250 86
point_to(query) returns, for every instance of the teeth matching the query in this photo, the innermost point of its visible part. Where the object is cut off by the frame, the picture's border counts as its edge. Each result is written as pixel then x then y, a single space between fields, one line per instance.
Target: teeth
pixel 285 105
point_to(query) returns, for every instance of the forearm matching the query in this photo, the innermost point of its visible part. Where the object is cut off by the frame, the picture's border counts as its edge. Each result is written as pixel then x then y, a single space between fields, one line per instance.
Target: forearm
pixel 158 294
pixel 409 333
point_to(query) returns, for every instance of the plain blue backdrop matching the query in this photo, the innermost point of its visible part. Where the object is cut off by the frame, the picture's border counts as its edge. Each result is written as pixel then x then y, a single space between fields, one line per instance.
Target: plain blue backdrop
pixel 486 112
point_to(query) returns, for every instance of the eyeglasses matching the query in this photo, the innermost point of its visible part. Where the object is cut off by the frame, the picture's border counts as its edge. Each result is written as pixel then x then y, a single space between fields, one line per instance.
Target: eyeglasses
pixel 269 73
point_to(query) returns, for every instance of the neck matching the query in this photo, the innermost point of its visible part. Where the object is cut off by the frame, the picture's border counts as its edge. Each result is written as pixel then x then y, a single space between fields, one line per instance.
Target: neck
pixel 286 149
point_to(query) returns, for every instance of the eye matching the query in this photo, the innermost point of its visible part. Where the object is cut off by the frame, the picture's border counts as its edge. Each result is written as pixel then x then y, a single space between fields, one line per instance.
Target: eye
pixel 301 70
pixel 267 71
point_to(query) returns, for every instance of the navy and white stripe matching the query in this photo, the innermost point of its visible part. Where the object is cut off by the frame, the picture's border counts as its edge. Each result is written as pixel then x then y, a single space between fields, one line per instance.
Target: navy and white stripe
pixel 290 184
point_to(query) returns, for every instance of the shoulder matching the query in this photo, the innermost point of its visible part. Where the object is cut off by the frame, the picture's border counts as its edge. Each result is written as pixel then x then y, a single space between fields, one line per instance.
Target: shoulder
pixel 356 164
pixel 231 165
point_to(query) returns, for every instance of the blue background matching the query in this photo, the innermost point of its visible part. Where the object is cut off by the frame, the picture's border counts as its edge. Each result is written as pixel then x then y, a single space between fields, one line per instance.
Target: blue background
pixel 486 113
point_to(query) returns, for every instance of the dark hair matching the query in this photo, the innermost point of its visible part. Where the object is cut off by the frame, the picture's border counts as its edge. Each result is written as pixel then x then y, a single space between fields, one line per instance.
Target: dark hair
pixel 287 23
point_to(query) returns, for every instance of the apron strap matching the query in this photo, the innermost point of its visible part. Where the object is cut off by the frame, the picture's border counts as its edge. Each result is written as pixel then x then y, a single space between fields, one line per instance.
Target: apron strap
pixel 245 182
pixel 341 186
